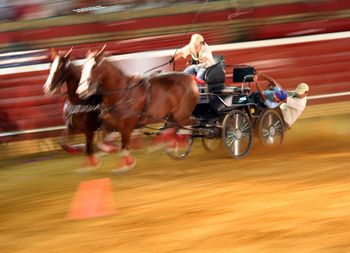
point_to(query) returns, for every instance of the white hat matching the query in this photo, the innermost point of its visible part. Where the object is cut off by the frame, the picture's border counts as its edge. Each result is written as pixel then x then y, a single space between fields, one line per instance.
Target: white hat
pixel 196 39
pixel 302 88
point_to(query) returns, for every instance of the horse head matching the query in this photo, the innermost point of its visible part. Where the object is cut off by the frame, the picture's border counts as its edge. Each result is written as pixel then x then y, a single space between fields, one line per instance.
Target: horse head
pixel 91 75
pixel 58 72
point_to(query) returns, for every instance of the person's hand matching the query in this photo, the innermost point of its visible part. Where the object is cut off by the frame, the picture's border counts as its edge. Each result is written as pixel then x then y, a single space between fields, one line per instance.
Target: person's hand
pixel 203 59
pixel 256 78
pixel 171 60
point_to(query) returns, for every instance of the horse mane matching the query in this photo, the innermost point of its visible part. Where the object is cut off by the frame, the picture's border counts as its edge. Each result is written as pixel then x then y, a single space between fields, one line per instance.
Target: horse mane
pixel 173 73
pixel 75 71
pixel 117 71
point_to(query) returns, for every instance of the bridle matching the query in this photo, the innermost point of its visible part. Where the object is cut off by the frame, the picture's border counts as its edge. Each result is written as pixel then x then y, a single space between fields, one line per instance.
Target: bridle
pixel 61 79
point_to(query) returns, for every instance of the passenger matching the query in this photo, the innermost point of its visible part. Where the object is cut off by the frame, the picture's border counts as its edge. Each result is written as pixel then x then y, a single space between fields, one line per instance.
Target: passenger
pixel 202 57
pixel 272 97
pixel 295 104
pixel 291 106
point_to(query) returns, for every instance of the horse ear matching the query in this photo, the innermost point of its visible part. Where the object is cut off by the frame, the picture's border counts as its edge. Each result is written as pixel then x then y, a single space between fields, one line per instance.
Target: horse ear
pixel 53 54
pixel 102 50
pixel 67 55
pixel 99 55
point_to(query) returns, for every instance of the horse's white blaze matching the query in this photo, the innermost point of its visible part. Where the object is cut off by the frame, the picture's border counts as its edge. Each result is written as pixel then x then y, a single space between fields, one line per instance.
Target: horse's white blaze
pixel 85 75
pixel 52 73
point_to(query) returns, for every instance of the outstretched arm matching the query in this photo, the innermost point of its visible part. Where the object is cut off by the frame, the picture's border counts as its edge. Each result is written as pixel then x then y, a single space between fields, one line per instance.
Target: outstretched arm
pixel 178 55
pixel 269 79
pixel 261 93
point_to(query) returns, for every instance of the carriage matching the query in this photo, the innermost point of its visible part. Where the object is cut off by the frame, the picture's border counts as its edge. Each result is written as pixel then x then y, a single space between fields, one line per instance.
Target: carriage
pixel 231 115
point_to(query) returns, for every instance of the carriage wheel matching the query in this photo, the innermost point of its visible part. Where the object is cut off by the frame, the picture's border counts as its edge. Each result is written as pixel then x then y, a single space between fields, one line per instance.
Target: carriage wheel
pixel 211 144
pixel 178 151
pixel 271 128
pixel 237 134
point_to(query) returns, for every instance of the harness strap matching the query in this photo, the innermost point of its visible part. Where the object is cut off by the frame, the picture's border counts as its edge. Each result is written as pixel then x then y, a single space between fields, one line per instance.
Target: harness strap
pixel 147 102
pixel 122 101
pixel 71 109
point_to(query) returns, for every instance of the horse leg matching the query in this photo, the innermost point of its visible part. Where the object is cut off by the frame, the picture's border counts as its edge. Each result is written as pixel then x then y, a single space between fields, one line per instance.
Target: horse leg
pixel 92 160
pixel 107 144
pixel 162 139
pixel 183 134
pixel 127 161
pixel 167 134
pixel 65 136
pixel 136 139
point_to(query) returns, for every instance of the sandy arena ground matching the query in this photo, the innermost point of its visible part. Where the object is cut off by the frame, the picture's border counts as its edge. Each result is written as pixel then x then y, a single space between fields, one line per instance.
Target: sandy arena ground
pixel 294 199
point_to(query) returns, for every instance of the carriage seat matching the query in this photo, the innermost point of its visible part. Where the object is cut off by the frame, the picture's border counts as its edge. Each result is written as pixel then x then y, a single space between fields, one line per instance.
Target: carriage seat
pixel 215 75
pixel 215 78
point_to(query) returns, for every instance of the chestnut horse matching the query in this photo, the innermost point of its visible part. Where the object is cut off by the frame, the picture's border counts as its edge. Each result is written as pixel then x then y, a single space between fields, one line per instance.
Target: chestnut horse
pixel 81 116
pixel 130 102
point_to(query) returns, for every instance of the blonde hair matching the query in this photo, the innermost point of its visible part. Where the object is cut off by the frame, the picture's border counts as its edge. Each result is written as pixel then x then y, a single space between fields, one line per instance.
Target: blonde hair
pixel 196 39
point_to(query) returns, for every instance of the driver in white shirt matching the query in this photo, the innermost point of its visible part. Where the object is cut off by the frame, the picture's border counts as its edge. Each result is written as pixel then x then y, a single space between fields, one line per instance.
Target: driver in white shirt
pixel 295 104
pixel 200 54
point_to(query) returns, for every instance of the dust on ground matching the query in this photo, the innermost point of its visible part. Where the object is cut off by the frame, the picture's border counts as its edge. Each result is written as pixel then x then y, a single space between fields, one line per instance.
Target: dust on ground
pixel 292 199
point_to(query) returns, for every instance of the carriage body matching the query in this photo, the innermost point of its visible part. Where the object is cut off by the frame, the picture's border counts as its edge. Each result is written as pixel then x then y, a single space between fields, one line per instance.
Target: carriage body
pixel 233 115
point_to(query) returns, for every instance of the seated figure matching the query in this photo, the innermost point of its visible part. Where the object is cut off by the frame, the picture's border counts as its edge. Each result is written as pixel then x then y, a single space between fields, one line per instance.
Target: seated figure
pixel 200 53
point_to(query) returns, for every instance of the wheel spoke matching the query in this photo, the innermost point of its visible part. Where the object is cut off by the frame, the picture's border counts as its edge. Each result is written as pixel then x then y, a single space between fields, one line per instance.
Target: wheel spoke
pixel 176 151
pixel 270 140
pixel 245 127
pixel 246 135
pixel 265 132
pixel 269 120
pixel 231 140
pixel 242 121
pixel 237 123
pixel 279 131
pixel 278 123
pixel 236 147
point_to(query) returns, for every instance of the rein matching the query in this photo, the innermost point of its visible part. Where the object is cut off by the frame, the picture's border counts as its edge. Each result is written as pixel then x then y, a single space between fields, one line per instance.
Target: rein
pixel 129 87
pixel 177 48
pixel 161 65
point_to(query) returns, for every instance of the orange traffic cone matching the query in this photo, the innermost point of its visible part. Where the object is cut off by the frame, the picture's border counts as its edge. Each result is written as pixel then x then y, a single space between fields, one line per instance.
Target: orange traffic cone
pixel 94 198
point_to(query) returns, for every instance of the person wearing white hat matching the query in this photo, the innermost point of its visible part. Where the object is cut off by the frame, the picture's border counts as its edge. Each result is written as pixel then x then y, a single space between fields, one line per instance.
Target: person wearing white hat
pixel 200 53
pixel 295 104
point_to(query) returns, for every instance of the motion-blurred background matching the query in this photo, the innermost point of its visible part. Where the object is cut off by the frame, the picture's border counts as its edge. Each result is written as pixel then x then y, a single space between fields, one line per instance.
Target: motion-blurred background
pixel 132 26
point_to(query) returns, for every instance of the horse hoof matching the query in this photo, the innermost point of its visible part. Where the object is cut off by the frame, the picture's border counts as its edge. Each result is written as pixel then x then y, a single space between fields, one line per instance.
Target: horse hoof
pixel 124 168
